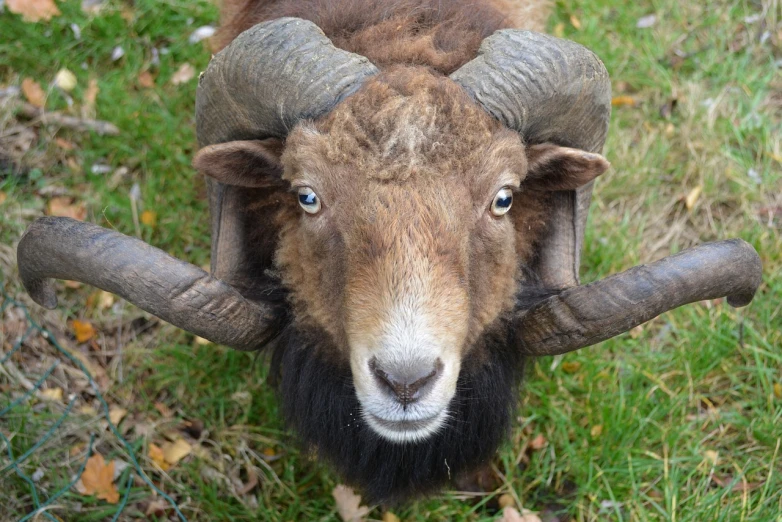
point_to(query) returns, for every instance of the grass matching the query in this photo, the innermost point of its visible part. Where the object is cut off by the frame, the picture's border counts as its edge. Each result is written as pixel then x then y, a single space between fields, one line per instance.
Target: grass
pixel 676 421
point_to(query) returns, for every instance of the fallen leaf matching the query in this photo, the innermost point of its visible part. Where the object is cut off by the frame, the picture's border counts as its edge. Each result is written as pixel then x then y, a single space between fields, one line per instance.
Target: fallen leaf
pixel 184 74
pixel 33 93
pixel 506 500
pixel 146 80
pixel 173 452
pixel 623 101
pixel 511 514
pixel 538 443
pixel 149 218
pixel 201 341
pixel 98 479
pixel 163 409
pixel 636 331
pixel 90 98
pixel 692 197
pixel 65 207
pixel 156 455
pixel 106 299
pixel 559 30
pixel 116 414
pixel 596 431
pixel 34 10
pixel 712 456
pixel 390 517
pixel 575 22
pixel 65 80
pixel 778 390
pixel 51 394
pixel 64 144
pixel 158 508
pixel 349 504
pixel 83 331
pixel 571 366
pixel 3 197
pixel 741 485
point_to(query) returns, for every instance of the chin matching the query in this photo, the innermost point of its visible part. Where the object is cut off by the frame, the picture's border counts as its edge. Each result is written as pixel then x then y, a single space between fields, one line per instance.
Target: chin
pixel 393 457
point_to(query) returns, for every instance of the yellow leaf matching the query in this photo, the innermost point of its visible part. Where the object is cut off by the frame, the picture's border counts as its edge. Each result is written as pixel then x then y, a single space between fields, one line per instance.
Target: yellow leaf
pixel 390 517
pixel 571 367
pixel 778 390
pixel 65 80
pixel 98 479
pixel 596 431
pixel 33 10
pixel 51 394
pixel 3 197
pixel 65 207
pixel 712 456
pixel 106 299
pixel 559 30
pixel 184 74
pixel 156 454
pixel 269 452
pixel 575 22
pixel 149 218
pixel 116 414
pixel 692 197
pixel 175 451
pixel 621 101
pixel 83 331
pixel 33 93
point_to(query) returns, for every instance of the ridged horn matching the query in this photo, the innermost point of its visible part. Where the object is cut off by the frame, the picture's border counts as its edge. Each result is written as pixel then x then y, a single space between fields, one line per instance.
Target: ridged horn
pixel 177 292
pixel 547 89
pixel 585 315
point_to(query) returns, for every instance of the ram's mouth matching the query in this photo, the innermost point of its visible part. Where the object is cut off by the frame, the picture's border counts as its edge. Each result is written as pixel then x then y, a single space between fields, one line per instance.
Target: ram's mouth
pixel 406 430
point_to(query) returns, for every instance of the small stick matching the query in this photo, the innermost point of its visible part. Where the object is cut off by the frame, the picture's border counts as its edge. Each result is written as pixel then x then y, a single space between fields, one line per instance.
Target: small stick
pixel 70 122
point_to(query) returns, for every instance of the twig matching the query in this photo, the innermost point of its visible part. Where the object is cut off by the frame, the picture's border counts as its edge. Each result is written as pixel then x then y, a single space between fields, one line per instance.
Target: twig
pixel 70 122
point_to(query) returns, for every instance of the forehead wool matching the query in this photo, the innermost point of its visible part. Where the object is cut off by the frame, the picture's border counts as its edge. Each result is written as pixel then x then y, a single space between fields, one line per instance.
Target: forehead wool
pixel 408 122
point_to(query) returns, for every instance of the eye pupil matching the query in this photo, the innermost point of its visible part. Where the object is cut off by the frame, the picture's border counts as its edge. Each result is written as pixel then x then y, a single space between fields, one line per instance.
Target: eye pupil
pixel 502 202
pixel 308 200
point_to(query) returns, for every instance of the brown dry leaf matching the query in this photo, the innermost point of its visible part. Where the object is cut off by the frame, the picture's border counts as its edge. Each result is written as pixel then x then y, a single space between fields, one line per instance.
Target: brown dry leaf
pixel 33 93
pixel 390 517
pixel 116 414
pixel 90 98
pixel 538 443
pixel 596 431
pixel 511 514
pixel 506 500
pixel 65 207
pixel 34 10
pixel 83 330
pixel 184 74
pixel 98 480
pixel 571 366
pixel 778 390
pixel 51 394
pixel 740 486
pixel 575 22
pixel 349 504
pixel 149 218
pixel 692 197
pixel 175 451
pixel 3 197
pixel 163 409
pixel 156 454
pixel 622 101
pixel 157 508
pixel 64 144
pixel 146 80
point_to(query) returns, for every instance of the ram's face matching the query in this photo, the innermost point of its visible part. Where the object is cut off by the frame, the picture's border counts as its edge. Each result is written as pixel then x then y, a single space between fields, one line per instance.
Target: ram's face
pixel 403 249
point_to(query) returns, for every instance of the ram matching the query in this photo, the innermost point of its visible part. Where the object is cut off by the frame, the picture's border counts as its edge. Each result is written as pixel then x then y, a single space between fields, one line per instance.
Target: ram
pixel 398 191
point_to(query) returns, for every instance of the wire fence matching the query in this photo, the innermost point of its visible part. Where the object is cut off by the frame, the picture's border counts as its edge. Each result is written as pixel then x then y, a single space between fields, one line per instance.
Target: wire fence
pixel 44 504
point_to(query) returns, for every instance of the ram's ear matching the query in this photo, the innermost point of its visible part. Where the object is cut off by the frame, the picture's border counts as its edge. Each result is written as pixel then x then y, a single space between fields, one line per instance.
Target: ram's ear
pixel 250 163
pixel 551 167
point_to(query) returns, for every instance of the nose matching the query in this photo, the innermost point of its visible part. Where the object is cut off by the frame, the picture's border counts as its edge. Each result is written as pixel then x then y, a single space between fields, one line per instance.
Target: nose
pixel 406 384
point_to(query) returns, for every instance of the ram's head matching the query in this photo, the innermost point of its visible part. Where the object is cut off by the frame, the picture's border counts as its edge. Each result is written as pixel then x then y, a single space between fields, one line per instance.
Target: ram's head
pixel 402 238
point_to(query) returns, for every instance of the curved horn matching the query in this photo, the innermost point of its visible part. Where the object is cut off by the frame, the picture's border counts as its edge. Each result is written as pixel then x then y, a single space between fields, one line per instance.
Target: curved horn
pixel 271 76
pixel 585 315
pixel 177 292
pixel 547 89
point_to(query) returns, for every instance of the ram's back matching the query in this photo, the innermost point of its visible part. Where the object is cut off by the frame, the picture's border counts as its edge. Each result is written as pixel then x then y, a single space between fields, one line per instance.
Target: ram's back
pixel 441 34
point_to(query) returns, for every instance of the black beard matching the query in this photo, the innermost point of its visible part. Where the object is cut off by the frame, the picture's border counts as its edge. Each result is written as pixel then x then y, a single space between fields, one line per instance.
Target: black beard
pixel 319 403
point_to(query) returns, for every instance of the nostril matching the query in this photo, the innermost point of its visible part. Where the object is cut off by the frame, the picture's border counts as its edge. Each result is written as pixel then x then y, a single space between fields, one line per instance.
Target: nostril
pixel 408 385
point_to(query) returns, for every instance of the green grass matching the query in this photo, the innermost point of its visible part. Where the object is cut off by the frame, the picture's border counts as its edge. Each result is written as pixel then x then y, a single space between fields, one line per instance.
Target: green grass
pixel 694 383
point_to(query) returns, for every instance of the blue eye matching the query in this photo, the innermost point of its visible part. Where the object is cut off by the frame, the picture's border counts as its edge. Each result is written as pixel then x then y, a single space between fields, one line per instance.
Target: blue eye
pixel 502 202
pixel 308 200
